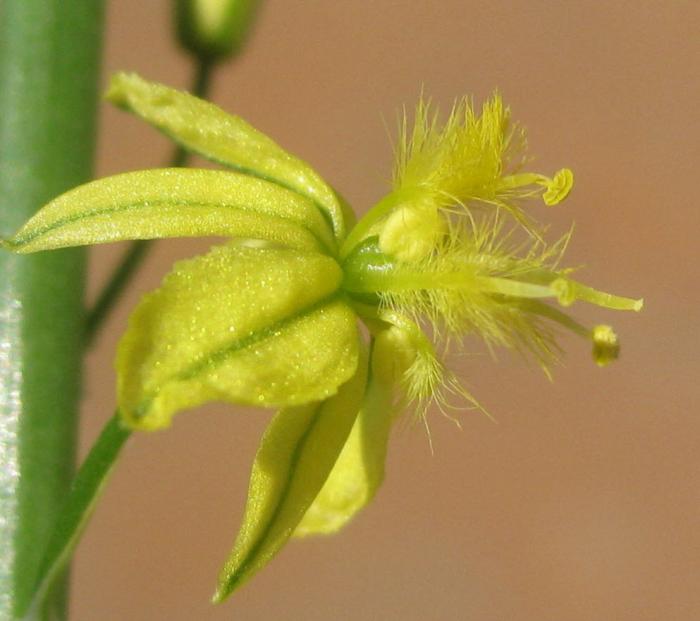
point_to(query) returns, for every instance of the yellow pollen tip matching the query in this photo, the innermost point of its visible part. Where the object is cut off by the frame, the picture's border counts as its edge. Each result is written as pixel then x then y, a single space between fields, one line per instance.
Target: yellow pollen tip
pixel 558 188
pixel 606 346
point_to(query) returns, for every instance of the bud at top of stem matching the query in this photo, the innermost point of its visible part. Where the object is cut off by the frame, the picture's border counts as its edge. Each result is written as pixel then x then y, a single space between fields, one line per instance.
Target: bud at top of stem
pixel 213 29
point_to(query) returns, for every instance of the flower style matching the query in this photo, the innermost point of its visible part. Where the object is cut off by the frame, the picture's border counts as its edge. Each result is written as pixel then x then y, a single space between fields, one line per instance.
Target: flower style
pixel 270 318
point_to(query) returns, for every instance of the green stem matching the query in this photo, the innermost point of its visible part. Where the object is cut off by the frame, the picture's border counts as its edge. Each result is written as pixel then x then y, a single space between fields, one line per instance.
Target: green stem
pixel 120 277
pixel 79 505
pixel 138 250
pixel 49 67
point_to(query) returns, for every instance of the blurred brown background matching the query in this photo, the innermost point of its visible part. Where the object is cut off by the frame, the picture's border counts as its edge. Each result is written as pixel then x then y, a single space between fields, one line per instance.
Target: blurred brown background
pixel 583 501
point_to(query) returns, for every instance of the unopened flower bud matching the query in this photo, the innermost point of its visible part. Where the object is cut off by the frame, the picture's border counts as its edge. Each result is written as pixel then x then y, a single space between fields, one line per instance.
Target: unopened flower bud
pixel 213 29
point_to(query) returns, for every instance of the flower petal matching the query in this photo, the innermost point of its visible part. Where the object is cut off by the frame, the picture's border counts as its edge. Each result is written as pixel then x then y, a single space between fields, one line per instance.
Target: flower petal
pixel 295 457
pixel 204 128
pixel 257 326
pixel 359 471
pixel 178 202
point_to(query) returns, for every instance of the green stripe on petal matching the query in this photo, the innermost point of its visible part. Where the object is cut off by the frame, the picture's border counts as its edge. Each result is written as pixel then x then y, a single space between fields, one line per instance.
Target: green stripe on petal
pixel 359 471
pixel 203 128
pixel 175 202
pixel 256 326
pixel 295 457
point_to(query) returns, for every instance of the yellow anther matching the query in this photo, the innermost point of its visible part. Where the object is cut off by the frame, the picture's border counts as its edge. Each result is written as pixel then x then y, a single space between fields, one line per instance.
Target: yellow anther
pixel 557 188
pixel 606 346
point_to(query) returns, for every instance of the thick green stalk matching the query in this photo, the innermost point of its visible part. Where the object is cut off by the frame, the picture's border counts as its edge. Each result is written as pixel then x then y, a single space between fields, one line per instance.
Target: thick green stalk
pixel 49 61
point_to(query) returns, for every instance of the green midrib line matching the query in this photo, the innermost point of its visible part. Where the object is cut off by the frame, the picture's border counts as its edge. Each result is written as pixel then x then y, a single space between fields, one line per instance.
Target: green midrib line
pixel 236 577
pixel 254 173
pixel 17 243
pixel 220 355
pixel 327 216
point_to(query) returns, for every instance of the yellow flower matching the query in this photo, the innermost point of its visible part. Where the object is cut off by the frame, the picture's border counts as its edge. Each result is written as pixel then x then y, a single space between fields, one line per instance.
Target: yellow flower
pixel 272 317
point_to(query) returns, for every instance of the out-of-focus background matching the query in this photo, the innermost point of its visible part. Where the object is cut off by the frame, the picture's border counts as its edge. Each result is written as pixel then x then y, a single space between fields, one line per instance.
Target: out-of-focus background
pixel 583 501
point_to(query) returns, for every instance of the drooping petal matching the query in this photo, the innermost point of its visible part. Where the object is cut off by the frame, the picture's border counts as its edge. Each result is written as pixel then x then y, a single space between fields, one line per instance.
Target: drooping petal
pixel 178 202
pixel 359 471
pixel 204 128
pixel 404 370
pixel 295 457
pixel 263 327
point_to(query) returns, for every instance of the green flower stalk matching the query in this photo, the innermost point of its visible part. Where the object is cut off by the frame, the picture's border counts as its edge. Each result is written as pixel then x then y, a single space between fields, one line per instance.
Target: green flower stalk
pixel 272 317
